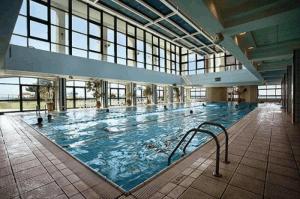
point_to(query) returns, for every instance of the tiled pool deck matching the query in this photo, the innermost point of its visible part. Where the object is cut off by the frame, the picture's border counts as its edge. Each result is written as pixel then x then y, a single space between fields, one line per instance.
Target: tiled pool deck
pixel 264 151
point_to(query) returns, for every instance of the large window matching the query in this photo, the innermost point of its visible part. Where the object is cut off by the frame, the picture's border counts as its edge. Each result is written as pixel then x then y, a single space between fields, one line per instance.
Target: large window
pixel 77 28
pixel 160 94
pixel 269 92
pixel 198 94
pixel 21 94
pixel 116 94
pixel 78 95
pixel 140 98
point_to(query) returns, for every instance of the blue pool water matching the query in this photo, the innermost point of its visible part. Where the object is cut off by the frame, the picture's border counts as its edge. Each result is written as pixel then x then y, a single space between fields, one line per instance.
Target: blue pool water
pixel 129 145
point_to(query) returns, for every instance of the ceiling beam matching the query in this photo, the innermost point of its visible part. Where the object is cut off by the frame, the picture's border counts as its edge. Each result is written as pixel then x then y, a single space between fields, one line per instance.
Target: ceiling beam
pixel 263 21
pixel 274 66
pixel 276 51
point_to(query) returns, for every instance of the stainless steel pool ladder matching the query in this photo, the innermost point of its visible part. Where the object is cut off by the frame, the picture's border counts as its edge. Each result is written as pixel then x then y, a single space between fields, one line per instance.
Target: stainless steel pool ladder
pixel 197 130
pixel 212 124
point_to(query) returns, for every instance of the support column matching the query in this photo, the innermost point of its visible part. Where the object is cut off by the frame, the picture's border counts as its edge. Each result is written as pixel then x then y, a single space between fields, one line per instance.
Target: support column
pixel 60 94
pixel 170 94
pixel 154 94
pixel 296 87
pixel 187 95
pixel 182 95
pixel 165 94
pixel 104 94
pixel 134 94
pixel 248 93
pixel 216 94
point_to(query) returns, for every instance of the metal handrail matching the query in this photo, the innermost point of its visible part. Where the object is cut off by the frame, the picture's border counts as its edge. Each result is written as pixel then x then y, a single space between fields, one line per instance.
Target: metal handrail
pixel 37 110
pixel 216 172
pixel 217 125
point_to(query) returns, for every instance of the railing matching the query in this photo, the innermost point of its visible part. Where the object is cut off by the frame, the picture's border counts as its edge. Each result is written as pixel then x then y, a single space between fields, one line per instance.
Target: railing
pixel 212 124
pixel 216 172
pixel 37 110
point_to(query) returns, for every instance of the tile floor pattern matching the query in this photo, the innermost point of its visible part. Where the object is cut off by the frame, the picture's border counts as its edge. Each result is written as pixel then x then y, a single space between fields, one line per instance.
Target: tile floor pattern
pixel 264 155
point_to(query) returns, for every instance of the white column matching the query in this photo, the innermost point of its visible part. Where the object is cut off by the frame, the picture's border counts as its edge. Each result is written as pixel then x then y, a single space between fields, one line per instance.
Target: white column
pixel 182 94
pixel 170 94
pixel 104 94
pixel 60 94
pixel 154 94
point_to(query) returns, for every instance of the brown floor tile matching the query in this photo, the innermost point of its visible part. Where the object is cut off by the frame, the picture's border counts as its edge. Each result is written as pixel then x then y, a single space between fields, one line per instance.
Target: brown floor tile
pixel 5 171
pixel 287 182
pixel 26 165
pixel 278 192
pixel 209 185
pixel 248 183
pixel 176 192
pixel 251 172
pixel 192 193
pixel 81 186
pixel 254 163
pixel 47 191
pixel 285 171
pixel 157 195
pixel 233 192
pixel 30 173
pixel 9 191
pixel 167 188
pixel 35 182
pixel 70 190
pixel 6 181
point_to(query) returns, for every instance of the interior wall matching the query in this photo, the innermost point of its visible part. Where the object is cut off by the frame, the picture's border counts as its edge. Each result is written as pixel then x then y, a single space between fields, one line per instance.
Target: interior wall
pixel 249 94
pixel 216 94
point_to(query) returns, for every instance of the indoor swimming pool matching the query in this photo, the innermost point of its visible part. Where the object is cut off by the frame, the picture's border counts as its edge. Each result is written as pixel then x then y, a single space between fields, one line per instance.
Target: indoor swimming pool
pixel 130 145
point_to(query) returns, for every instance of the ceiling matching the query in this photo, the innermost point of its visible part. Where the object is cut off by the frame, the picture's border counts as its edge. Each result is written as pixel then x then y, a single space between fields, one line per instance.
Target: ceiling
pixel 268 41
pixel 261 34
pixel 161 17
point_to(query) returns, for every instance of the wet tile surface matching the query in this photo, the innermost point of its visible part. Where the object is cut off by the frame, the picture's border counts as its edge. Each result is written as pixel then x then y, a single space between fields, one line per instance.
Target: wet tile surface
pixel 264 154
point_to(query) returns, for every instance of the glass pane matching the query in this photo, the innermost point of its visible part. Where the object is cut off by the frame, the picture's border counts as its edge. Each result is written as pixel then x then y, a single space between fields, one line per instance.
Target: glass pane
pixel 59 18
pixel 7 106
pixel 59 35
pixel 21 26
pixel 108 20
pixel 9 80
pixel 96 56
pixel 121 51
pixel 79 93
pixel 121 26
pixel 38 30
pixel 79 8
pixel 69 93
pixel 131 42
pixel 95 15
pixel 25 80
pixel 38 10
pixel 29 92
pixel 18 40
pixel 95 45
pixel 79 40
pixel 9 92
pixel 79 24
pixel 121 38
pixel 79 53
pixel 61 4
pixel 95 30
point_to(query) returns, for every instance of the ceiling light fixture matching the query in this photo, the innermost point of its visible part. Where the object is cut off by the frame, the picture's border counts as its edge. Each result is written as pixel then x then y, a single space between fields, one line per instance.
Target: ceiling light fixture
pixel 242 33
pixel 251 47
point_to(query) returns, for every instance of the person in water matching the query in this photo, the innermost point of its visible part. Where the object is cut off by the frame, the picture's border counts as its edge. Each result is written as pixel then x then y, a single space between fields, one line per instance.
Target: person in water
pixel 165 107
